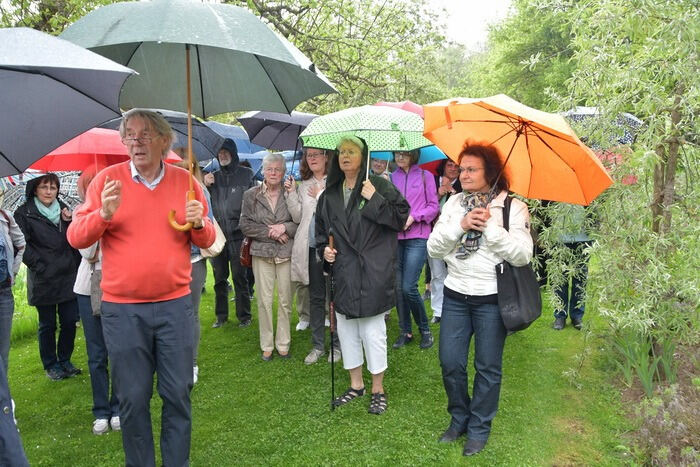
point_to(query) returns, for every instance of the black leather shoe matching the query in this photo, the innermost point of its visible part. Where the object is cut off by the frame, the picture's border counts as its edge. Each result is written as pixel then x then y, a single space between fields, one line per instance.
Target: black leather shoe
pixel 473 446
pixel 244 324
pixel 218 323
pixel 559 324
pixel 402 340
pixel 577 323
pixel 426 340
pixel 450 435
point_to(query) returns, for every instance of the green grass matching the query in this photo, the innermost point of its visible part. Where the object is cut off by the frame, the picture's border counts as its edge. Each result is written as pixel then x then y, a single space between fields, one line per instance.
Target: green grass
pixel 249 412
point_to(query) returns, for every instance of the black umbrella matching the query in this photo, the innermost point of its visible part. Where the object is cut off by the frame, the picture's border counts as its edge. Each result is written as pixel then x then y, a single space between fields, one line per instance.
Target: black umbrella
pixel 205 141
pixel 274 130
pixel 50 91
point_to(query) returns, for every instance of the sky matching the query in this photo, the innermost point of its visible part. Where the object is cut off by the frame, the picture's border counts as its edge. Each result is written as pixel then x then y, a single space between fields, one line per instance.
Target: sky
pixel 468 20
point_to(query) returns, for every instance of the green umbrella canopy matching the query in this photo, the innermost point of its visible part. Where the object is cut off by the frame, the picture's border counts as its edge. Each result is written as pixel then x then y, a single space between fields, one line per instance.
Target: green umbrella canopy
pixel 383 128
pixel 236 61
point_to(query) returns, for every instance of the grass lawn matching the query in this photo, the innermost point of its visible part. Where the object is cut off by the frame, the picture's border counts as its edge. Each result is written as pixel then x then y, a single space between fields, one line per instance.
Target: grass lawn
pixel 250 412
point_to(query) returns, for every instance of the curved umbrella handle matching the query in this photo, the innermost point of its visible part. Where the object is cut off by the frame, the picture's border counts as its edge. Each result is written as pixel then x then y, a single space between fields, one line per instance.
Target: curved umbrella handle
pixel 173 222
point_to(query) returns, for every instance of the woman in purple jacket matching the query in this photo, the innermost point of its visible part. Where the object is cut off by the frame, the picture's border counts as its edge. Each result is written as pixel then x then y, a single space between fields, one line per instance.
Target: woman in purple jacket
pixel 418 187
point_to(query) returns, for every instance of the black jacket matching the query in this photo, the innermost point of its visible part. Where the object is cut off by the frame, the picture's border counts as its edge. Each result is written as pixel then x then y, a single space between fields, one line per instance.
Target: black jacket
pixel 51 262
pixel 227 196
pixel 366 241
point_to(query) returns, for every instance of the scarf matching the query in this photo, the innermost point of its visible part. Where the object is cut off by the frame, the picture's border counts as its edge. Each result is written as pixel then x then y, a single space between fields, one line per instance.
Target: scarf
pixel 51 212
pixel 470 240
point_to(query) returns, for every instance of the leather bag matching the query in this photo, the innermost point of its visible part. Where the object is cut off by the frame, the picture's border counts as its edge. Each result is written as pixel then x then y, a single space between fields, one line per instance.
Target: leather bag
pixel 218 246
pixel 519 299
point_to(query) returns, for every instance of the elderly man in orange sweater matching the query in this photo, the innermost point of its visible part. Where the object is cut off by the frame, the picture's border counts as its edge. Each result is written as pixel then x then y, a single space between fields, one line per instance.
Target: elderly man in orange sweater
pixel 147 315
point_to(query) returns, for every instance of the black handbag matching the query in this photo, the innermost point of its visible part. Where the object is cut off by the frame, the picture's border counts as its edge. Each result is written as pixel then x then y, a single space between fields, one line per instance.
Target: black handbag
pixel 519 297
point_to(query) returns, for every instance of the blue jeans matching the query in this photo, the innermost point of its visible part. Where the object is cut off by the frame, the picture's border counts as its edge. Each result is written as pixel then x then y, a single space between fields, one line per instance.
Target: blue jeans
pixel 461 320
pixel 102 405
pixel 573 298
pixel 7 309
pixel 51 352
pixel 144 338
pixel 411 255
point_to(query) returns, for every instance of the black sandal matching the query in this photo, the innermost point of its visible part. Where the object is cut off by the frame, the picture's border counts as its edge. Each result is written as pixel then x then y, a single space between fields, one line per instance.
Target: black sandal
pixel 347 396
pixel 378 403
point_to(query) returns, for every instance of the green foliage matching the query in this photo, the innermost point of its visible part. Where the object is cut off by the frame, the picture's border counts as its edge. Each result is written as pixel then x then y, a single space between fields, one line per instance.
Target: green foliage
pixel 50 16
pixel 25 319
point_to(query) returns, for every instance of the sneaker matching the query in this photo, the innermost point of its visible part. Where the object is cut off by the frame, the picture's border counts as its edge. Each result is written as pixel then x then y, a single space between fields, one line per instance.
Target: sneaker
pixel 195 374
pixel 218 323
pixel 100 426
pixel 56 373
pixel 70 370
pixel 337 355
pixel 559 324
pixel 302 325
pixel 402 340
pixel 435 320
pixel 313 356
pixel 115 423
pixel 244 324
pixel 426 340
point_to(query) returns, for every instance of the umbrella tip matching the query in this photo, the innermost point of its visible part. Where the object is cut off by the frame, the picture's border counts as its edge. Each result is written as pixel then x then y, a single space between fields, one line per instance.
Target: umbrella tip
pixel 312 68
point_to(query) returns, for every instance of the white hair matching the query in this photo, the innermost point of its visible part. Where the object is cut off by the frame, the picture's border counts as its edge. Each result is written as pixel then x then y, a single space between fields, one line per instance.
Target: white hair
pixel 274 157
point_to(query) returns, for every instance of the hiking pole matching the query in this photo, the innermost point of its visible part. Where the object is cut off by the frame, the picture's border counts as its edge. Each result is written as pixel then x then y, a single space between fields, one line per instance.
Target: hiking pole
pixel 331 316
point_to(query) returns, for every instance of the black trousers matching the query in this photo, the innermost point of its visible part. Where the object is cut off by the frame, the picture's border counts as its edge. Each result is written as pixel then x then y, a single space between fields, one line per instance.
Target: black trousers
pixel 226 263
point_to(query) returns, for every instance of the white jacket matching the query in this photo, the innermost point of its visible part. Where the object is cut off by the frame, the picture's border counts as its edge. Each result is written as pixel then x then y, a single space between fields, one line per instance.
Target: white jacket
pixel 476 275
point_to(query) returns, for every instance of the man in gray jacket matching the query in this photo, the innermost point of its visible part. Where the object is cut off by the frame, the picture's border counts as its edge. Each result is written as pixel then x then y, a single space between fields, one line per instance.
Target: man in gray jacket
pixel 226 188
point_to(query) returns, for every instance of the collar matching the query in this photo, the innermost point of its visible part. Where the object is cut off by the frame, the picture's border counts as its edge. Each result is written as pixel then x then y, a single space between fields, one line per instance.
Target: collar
pixel 139 179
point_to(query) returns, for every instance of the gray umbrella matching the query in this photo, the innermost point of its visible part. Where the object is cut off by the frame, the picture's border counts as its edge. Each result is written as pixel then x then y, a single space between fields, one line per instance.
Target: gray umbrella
pixel 205 141
pixel 274 130
pixel 51 91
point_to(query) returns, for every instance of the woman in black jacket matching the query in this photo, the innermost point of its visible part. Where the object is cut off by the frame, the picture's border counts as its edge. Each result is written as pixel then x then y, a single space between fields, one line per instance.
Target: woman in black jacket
pixel 52 265
pixel 364 217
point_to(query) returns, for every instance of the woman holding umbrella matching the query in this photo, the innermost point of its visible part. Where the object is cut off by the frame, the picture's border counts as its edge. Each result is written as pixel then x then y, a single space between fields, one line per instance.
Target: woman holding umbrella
pixel 364 218
pixel 472 243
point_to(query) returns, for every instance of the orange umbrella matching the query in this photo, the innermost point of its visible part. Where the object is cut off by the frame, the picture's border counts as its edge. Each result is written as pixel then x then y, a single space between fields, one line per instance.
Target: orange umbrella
pixel 543 156
pixel 98 146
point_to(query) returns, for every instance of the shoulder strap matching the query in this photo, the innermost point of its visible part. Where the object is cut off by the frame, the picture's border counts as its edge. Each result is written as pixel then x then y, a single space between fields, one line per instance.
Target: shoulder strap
pixel 506 210
pixel 4 214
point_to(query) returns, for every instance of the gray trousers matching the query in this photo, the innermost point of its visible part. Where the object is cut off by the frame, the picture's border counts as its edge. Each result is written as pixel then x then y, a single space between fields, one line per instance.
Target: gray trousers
pixel 143 338
pixel 199 277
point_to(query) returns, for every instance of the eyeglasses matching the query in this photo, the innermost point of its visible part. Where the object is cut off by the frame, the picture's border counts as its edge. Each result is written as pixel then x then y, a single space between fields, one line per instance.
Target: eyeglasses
pixel 314 155
pixel 274 170
pixel 469 170
pixel 402 154
pixel 143 139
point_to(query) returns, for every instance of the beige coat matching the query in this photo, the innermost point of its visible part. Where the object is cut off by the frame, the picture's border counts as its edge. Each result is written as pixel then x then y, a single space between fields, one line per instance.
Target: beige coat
pixel 302 207
pixel 257 215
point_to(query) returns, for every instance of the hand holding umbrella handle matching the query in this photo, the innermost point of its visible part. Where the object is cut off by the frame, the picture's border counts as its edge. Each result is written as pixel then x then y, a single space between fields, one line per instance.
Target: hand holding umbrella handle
pixel 171 216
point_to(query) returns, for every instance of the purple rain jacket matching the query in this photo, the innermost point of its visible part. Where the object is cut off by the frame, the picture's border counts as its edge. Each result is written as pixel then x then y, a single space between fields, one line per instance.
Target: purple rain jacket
pixel 418 187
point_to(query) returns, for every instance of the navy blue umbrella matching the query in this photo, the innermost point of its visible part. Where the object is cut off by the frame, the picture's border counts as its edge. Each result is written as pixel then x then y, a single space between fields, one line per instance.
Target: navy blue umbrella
pixel 275 130
pixel 237 134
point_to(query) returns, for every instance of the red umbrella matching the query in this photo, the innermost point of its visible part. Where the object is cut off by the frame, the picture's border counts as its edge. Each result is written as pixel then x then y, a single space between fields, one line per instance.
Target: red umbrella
pixel 405 105
pixel 98 146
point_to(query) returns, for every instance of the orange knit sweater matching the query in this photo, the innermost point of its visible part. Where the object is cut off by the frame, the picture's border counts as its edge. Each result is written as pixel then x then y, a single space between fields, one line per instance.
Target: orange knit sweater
pixel 143 258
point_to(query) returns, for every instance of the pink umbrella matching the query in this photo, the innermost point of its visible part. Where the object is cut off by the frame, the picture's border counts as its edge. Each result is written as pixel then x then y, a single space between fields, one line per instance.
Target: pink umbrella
pixel 98 146
pixel 404 105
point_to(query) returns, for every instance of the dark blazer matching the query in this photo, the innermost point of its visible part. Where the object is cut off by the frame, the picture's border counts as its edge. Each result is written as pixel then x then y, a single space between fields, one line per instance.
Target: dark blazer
pixel 365 236
pixel 51 262
pixel 227 197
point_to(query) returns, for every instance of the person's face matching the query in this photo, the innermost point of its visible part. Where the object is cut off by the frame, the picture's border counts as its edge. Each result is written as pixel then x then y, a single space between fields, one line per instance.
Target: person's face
pixel 274 172
pixel 349 157
pixel 472 176
pixel 46 192
pixel 378 165
pixel 316 160
pixel 224 157
pixel 451 170
pixel 144 145
pixel 403 159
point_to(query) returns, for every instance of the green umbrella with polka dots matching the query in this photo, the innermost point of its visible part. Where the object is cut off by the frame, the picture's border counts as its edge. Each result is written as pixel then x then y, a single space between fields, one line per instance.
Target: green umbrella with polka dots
pixel 383 128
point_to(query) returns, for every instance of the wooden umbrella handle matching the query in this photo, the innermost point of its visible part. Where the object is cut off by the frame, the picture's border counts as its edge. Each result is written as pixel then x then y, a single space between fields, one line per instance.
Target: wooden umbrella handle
pixel 171 216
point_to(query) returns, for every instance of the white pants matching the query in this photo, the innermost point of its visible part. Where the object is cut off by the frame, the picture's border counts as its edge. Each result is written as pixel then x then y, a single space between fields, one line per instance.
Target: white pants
pixel 368 333
pixel 438 271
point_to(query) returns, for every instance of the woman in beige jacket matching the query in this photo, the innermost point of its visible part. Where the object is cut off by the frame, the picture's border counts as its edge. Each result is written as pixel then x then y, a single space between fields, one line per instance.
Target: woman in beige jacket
pixel 266 220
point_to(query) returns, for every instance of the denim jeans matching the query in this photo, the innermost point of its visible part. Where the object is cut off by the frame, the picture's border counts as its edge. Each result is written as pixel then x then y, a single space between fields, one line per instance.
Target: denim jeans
pixel 7 309
pixel 411 255
pixel 102 405
pixel 199 278
pixel 461 320
pixel 573 297
pixel 51 352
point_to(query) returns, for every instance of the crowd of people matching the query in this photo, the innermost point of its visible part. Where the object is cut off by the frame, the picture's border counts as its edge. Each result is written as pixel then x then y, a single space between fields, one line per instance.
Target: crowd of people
pixel 370 236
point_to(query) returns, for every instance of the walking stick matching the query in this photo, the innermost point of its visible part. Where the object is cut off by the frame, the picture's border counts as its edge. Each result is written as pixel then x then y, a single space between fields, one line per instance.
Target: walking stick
pixel 331 314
